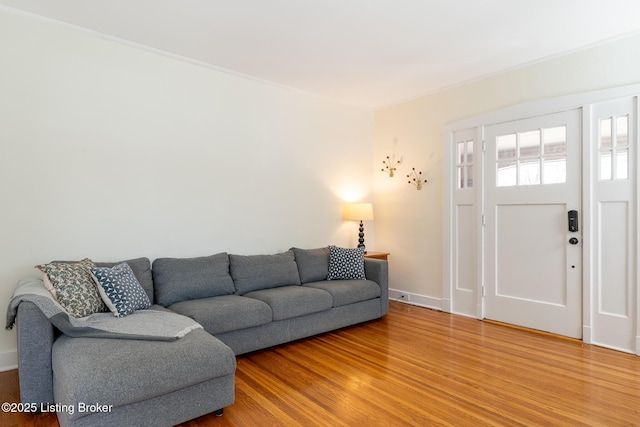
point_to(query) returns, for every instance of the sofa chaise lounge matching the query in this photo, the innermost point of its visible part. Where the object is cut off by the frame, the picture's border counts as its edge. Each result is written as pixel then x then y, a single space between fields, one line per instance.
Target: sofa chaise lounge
pixel 243 303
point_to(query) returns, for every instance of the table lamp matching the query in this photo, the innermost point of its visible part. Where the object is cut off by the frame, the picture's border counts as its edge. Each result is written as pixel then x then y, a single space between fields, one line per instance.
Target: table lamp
pixel 360 212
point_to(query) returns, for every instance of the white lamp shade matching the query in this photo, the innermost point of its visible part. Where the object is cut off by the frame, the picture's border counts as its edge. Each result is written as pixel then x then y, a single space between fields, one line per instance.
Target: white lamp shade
pixel 360 212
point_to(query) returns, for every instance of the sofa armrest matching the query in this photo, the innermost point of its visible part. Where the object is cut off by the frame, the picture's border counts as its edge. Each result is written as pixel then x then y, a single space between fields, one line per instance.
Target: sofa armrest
pixel 35 340
pixel 378 271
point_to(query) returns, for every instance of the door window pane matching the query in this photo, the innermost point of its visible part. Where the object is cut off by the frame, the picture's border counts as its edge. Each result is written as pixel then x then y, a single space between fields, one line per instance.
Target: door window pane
pixel 506 174
pixel 605 133
pixel 461 154
pixel 529 173
pixel 555 140
pixel 530 144
pixel 554 170
pixel 622 164
pixel 469 176
pixel 506 146
pixel 622 131
pixel 469 159
pixel 605 165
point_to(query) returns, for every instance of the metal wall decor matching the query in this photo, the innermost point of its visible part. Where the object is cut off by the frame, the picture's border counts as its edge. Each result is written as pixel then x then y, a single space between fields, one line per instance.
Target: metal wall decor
pixel 415 178
pixel 390 165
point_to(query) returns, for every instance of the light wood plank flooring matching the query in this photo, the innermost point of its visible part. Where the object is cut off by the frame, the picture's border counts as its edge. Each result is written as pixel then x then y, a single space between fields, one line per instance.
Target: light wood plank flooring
pixel 424 368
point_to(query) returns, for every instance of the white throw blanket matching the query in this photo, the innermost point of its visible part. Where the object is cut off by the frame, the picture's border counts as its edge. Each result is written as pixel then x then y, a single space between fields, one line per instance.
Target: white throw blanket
pixel 151 324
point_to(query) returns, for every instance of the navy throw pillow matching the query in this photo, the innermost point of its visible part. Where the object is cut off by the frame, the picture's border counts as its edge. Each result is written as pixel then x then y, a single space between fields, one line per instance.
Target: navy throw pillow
pixel 120 290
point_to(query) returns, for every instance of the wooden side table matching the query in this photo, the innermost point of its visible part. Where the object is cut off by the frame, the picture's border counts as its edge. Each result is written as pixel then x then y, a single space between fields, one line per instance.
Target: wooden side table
pixel 376 255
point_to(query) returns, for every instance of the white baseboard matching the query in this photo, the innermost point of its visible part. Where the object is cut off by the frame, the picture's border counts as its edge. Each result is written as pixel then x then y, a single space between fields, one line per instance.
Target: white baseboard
pixel 415 299
pixel 8 360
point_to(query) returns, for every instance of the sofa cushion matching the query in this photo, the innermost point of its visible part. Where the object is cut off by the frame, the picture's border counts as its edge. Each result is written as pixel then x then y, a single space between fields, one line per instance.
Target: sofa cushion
pixel 180 279
pixel 255 272
pixel 119 372
pixel 120 290
pixel 76 292
pixel 225 313
pixel 346 263
pixel 141 268
pixel 313 264
pixel 293 301
pixel 345 292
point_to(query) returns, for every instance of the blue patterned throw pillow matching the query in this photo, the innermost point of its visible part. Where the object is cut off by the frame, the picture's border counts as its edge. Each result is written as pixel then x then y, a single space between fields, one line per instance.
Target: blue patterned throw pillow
pixel 346 264
pixel 120 290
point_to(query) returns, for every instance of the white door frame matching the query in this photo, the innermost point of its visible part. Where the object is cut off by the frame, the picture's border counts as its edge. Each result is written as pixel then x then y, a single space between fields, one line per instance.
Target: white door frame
pixel 583 101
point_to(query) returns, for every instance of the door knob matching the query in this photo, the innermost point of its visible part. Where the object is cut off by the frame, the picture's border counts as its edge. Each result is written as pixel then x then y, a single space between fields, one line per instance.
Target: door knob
pixel 573 241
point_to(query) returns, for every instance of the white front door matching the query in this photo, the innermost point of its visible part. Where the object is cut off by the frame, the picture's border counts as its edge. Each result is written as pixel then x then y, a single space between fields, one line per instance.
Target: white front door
pixel 532 259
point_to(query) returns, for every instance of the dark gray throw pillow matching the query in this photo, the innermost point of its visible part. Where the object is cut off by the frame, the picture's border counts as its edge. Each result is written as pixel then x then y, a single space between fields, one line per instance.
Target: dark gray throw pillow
pixel 346 264
pixel 313 264
pixel 180 279
pixel 254 272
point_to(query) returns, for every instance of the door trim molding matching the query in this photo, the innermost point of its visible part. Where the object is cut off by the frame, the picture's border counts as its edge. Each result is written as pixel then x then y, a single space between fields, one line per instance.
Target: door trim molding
pixel 587 222
pixel 542 107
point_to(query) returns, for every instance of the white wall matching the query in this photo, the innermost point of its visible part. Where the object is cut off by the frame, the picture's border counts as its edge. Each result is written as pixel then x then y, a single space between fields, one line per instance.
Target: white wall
pixel 111 152
pixel 408 223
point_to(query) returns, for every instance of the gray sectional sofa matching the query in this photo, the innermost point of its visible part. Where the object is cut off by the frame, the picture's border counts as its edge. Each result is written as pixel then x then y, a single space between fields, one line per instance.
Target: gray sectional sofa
pixel 244 303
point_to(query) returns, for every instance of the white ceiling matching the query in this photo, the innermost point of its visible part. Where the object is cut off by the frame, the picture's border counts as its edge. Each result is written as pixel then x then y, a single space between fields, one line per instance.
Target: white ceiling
pixel 368 53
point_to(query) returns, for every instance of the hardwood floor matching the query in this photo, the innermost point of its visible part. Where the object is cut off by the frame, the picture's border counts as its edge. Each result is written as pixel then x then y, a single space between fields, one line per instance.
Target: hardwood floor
pixel 421 367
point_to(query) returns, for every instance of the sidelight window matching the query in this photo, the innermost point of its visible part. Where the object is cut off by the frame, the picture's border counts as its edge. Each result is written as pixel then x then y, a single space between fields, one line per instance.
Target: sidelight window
pixel 465 164
pixel 614 148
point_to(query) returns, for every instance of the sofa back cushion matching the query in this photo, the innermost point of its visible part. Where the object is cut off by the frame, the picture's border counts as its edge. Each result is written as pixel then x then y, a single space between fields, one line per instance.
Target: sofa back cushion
pixel 313 264
pixel 141 268
pixel 181 279
pixel 255 272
